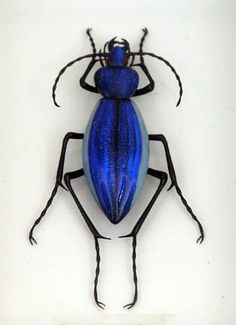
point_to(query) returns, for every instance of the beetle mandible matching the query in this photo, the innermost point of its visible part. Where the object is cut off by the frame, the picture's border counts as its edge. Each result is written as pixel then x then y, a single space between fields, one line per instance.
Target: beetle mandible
pixel 116 144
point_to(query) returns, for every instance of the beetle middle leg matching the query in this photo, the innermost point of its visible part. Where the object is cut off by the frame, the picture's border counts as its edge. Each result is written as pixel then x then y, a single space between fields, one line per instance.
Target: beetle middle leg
pixel 68 177
pixel 162 176
pixel 68 136
pixel 174 183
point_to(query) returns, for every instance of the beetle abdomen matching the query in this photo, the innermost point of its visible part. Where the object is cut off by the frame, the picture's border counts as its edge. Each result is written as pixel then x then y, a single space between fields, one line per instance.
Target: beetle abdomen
pixel 115 156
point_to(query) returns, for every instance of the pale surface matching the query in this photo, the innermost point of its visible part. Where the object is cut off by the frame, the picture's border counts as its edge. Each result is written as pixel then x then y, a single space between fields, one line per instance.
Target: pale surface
pixel 51 284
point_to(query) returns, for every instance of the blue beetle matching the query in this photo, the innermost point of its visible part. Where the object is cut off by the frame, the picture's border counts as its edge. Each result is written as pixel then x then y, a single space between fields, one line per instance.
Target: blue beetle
pixel 116 144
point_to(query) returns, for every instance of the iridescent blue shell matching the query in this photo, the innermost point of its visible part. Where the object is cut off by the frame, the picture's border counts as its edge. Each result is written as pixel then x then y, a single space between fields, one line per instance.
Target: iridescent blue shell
pixel 115 156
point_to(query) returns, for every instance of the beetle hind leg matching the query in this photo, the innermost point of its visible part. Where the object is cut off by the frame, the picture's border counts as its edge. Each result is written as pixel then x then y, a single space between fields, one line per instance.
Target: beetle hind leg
pixel 68 177
pixel 162 176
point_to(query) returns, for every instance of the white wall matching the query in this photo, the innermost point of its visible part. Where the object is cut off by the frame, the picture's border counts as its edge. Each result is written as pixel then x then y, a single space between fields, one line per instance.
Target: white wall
pixel 180 282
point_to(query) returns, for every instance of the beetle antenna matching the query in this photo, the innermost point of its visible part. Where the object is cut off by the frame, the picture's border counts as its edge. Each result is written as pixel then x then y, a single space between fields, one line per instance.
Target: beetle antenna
pixel 61 73
pixel 64 69
pixel 173 70
pixel 169 65
pixel 91 39
pixel 145 32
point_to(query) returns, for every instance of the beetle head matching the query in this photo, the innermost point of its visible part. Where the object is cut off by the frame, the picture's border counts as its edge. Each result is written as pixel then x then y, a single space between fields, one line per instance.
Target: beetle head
pixel 117 52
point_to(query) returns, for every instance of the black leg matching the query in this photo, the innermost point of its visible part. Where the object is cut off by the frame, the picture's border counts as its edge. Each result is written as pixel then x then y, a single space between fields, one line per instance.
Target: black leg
pixel 88 32
pixel 174 183
pixel 58 182
pixel 162 176
pixel 145 32
pixel 83 82
pixel 142 54
pixel 150 86
pixel 68 177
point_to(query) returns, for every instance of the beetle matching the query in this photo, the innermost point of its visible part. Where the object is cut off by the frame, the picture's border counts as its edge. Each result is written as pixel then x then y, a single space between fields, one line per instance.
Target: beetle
pixel 116 144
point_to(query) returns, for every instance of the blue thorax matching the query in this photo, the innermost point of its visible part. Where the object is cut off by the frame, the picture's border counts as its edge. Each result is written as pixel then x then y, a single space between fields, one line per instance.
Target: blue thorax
pixel 116 80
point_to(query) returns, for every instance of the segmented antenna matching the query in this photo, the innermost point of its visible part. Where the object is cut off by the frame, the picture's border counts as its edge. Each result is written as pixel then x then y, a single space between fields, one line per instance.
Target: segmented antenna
pixel 173 70
pixel 168 64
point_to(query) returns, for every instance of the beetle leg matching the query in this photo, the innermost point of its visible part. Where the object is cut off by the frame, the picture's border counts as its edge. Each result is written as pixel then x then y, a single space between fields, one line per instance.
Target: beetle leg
pixel 174 183
pixel 163 179
pixel 83 82
pixel 68 177
pixel 68 136
pixel 145 32
pixel 88 32
pixel 150 86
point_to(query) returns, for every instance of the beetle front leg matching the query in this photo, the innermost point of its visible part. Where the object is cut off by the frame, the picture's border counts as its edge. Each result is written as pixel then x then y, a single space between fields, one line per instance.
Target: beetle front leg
pixel 174 183
pixel 83 82
pixel 147 89
pixel 68 136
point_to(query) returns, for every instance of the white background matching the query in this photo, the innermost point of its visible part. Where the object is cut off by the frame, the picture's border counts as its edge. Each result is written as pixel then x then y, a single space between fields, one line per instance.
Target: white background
pixel 180 282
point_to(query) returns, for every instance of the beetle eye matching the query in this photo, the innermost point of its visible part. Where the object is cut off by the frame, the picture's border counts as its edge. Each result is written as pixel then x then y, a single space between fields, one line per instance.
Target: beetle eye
pixel 126 61
pixel 107 62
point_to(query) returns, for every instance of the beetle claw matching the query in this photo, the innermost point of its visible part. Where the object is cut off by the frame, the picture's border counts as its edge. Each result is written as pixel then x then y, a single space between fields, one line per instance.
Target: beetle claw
pixel 200 239
pixel 32 240
pixel 100 304
pixel 128 306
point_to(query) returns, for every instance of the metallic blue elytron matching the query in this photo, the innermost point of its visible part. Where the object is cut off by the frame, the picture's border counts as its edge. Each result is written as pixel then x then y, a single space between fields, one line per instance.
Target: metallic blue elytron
pixel 116 145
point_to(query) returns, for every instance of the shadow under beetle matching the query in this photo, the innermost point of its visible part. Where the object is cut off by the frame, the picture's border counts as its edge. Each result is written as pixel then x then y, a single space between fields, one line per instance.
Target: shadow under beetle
pixel 116 144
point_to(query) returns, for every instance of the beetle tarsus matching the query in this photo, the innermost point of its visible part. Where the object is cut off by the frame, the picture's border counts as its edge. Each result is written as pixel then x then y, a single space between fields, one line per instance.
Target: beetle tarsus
pixel 145 32
pixel 88 32
pixel 135 278
pixel 97 271
pixel 42 214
